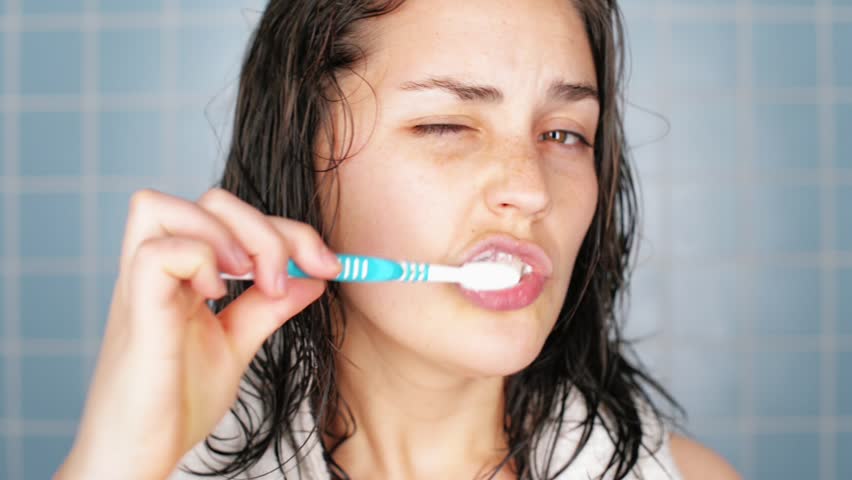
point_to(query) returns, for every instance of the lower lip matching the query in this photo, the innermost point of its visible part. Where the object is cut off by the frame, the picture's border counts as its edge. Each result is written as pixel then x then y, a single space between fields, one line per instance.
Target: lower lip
pixel 521 295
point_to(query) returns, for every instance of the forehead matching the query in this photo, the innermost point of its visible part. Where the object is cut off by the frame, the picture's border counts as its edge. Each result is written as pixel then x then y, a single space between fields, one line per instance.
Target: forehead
pixel 495 41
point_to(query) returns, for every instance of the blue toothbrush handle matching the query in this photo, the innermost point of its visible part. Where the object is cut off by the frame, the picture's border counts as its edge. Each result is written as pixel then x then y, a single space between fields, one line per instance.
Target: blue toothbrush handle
pixel 360 268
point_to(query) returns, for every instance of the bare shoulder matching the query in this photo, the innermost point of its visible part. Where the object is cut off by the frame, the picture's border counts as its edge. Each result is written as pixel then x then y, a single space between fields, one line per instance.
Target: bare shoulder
pixel 697 462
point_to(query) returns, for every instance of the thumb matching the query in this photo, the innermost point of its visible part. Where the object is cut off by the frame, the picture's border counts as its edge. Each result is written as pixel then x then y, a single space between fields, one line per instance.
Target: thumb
pixel 250 319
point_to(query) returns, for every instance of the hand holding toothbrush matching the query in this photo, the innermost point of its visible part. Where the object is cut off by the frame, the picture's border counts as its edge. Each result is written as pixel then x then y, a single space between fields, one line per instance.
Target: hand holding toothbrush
pixel 169 368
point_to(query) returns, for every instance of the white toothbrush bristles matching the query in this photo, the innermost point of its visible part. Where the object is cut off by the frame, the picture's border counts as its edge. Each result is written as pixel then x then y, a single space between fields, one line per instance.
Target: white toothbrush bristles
pixel 488 276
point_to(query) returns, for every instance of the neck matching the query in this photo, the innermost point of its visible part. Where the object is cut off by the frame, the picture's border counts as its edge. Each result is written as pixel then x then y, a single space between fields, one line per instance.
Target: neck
pixel 414 419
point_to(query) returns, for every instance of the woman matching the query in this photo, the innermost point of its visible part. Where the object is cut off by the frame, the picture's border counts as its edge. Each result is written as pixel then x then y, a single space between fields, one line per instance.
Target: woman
pixel 437 131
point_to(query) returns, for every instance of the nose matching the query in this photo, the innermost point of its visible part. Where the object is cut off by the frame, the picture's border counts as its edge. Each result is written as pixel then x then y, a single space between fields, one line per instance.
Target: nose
pixel 518 186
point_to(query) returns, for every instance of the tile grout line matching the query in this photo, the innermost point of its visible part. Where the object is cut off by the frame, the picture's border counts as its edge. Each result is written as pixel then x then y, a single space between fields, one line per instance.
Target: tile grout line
pixel 828 387
pixel 136 20
pixel 745 120
pixel 12 360
pixel 90 160
pixel 171 20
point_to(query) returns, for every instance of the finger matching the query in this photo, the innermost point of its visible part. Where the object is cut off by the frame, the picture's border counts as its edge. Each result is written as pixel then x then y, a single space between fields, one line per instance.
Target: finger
pixel 253 317
pixel 307 248
pixel 271 241
pixel 154 214
pixel 170 277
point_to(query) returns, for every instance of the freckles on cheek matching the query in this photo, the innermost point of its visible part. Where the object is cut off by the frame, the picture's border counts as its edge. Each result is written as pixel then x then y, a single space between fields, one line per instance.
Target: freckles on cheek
pixel 383 208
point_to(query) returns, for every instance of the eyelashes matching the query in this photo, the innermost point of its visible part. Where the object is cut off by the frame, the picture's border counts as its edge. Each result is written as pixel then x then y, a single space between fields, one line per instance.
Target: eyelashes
pixel 562 137
pixel 438 129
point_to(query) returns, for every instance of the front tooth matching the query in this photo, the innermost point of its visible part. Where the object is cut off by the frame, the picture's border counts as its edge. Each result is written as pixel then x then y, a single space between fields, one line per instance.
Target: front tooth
pixel 504 257
pixel 483 256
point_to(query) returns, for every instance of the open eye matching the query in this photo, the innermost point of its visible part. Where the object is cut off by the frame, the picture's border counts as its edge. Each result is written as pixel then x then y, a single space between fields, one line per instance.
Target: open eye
pixel 439 129
pixel 564 137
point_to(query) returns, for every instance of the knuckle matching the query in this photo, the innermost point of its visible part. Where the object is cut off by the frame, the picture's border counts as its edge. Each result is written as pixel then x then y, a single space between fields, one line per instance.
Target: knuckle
pixel 306 231
pixel 148 250
pixel 215 197
pixel 300 232
pixel 141 200
pixel 278 245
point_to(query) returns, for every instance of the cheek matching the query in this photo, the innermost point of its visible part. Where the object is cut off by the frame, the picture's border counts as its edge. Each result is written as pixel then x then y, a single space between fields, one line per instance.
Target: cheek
pixel 390 209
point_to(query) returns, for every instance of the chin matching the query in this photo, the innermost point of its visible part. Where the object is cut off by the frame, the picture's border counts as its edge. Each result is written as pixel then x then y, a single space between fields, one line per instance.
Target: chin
pixel 500 347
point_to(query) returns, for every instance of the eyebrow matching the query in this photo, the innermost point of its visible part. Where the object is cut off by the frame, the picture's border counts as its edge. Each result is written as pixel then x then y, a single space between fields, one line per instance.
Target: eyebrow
pixel 472 92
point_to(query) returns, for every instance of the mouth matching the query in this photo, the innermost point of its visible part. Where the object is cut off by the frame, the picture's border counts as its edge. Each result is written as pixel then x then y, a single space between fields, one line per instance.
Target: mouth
pixel 536 268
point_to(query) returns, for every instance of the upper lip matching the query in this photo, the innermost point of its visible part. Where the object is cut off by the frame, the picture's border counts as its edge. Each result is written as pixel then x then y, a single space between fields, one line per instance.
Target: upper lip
pixel 528 252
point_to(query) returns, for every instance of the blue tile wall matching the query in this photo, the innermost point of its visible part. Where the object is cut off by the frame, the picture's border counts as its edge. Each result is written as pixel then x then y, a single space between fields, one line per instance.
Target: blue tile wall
pixel 2 62
pixel 2 229
pixel 50 225
pixel 45 379
pixel 788 455
pixel 200 146
pixel 130 61
pixel 51 63
pixel 844 383
pixel 3 412
pixel 51 306
pixel 112 216
pixel 785 219
pixel 786 301
pixel 842 58
pixel 784 55
pixel 844 301
pixel 729 293
pixel 209 58
pixel 786 383
pixel 844 462
pixel 645 304
pixel 130 143
pixel 43 454
pixel 707 299
pixel 3 460
pixel 704 220
pixel 646 134
pixel 844 218
pixel 51 143
pixel 716 67
pixel 206 4
pixel 644 45
pixel 843 123
pixel 704 135
pixel 775 3
pixel 786 136
pixel 51 6
pixel 706 381
pixel 131 6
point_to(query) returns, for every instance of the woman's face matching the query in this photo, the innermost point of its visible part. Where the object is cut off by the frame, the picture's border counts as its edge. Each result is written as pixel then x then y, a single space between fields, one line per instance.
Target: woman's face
pixel 473 121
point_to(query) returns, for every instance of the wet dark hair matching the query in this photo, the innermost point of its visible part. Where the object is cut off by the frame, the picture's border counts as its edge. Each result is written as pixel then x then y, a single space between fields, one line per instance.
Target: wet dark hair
pixel 287 94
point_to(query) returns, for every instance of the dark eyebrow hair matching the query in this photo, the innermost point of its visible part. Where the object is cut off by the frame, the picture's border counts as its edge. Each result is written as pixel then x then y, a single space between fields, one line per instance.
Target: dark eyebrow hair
pixel 572 92
pixel 466 91
pixel 463 90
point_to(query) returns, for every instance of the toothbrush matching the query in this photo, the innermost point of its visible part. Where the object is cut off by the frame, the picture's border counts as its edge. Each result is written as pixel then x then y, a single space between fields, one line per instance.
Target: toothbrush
pixel 482 276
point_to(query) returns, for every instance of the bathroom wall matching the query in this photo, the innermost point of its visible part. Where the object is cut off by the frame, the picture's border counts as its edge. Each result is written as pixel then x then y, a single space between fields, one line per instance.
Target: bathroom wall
pixel 739 119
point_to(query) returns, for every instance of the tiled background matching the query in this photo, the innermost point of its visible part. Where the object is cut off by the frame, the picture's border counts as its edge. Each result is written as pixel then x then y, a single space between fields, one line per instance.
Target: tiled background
pixel 741 123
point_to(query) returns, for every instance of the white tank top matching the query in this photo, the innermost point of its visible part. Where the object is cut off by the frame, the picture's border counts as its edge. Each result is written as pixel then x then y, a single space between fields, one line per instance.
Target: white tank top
pixel 656 464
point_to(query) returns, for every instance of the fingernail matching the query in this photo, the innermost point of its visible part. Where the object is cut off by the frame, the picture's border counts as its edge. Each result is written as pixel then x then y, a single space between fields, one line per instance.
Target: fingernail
pixel 240 257
pixel 281 283
pixel 330 258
